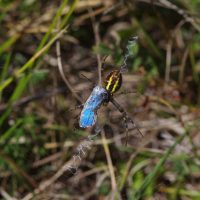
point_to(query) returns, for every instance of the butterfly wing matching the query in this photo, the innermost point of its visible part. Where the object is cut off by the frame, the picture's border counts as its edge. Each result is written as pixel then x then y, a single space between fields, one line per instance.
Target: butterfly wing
pixel 87 118
pixel 89 113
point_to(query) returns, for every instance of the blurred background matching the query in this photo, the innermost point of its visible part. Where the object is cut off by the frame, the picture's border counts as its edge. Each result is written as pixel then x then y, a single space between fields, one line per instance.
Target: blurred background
pixel 48 48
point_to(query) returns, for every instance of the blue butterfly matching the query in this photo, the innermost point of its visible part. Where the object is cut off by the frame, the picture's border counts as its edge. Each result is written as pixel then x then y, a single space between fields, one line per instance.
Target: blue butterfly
pixel 88 115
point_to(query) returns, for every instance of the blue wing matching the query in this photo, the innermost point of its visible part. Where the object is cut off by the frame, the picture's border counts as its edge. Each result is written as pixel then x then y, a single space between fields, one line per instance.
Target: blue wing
pixel 87 118
pixel 89 113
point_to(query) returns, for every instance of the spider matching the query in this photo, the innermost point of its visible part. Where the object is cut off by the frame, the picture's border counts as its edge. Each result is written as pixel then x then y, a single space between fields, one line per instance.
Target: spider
pixel 104 94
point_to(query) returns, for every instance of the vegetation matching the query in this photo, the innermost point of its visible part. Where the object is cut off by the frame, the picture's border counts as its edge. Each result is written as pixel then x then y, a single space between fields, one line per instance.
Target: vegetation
pixel 48 52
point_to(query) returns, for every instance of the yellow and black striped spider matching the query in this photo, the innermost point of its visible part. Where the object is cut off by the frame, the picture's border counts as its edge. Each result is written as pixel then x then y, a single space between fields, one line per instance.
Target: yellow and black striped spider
pixel 104 94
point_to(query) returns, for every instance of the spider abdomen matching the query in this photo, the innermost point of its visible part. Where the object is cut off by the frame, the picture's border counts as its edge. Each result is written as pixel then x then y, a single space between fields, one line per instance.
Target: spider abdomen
pixel 113 81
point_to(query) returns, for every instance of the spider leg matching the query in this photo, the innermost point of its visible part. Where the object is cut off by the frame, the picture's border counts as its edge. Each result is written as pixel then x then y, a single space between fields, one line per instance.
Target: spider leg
pixel 126 118
pixel 126 92
pixel 126 127
pixel 88 79
pixel 76 107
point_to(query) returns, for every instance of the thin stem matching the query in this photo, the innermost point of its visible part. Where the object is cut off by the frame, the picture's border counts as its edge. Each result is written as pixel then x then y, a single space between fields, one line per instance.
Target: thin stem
pixel 60 67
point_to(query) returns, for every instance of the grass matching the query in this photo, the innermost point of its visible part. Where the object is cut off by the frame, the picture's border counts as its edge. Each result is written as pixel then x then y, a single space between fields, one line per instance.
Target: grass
pixel 39 132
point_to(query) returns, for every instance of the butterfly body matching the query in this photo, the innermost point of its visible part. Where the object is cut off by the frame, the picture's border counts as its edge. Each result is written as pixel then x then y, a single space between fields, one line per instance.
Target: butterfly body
pixel 99 96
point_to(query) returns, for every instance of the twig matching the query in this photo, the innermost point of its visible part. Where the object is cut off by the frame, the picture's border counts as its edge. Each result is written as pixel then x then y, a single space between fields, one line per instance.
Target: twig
pixel 170 5
pixel 168 60
pixel 6 195
pixel 127 170
pixel 70 166
pixel 47 159
pixel 60 67
pixel 182 66
pixel 44 185
pixel 98 184
pixel 110 165
pixel 95 26
pixel 28 99
pixel 92 171
pixel 181 12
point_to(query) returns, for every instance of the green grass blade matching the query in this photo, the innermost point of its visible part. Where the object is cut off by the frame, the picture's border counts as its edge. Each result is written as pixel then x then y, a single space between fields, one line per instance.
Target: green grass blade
pixel 66 18
pixel 44 49
pixel 21 85
pixel 10 131
pixel 8 43
pixel 29 63
pixel 150 178
pixel 4 71
pixel 15 96
pixel 149 40
pixel 5 115
pixel 53 24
